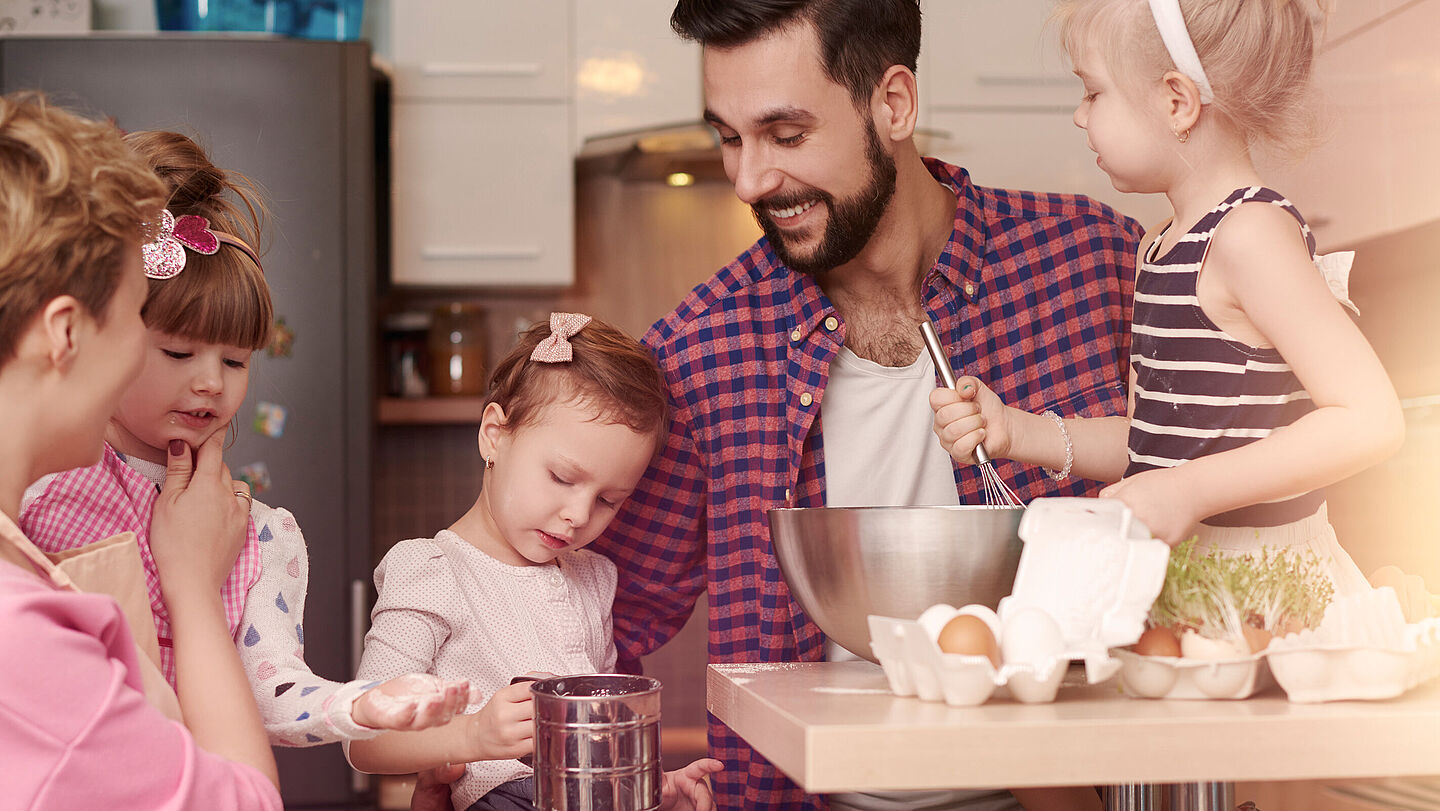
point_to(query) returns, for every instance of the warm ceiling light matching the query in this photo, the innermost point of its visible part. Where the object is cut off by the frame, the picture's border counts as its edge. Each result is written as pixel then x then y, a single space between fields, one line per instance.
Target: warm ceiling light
pixel 680 179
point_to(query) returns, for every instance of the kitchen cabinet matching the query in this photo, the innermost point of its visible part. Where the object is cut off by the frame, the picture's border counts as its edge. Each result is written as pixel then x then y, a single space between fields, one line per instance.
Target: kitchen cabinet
pixel 632 72
pixel 996 85
pixel 482 194
pixel 1035 150
pixel 449 49
pixel 482 178
pixel 1376 169
pixel 835 726
pixel 993 54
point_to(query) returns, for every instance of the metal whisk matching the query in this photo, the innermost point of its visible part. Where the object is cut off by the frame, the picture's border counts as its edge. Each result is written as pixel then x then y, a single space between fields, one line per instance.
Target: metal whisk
pixel 997 492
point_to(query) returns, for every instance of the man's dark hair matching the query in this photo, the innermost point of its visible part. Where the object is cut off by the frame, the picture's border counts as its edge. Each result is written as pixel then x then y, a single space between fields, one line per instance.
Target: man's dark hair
pixel 859 39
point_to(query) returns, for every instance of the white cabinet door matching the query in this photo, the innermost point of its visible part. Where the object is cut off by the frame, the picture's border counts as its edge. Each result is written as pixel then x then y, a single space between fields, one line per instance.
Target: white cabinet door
pixel 1036 151
pixel 480 49
pixel 993 54
pixel 483 194
pixel 631 71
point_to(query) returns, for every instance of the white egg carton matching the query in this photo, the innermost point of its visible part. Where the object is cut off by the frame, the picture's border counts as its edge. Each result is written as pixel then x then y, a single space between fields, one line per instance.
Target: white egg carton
pixel 1088 573
pixel 1179 677
pixel 1363 649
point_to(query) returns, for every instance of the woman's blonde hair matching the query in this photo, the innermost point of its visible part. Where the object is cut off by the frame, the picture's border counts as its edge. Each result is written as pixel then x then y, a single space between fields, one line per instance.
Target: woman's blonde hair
pixel 221 298
pixel 1258 55
pixel 74 201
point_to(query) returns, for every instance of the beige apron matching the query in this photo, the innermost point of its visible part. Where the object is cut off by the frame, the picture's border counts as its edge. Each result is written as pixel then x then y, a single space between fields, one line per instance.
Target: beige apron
pixel 112 567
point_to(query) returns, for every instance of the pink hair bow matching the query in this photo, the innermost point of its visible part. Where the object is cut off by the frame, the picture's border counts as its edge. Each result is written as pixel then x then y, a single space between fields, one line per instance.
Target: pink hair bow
pixel 165 257
pixel 556 348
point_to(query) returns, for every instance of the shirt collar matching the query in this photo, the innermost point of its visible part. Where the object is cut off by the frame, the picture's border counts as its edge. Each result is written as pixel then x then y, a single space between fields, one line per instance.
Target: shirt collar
pixel 961 261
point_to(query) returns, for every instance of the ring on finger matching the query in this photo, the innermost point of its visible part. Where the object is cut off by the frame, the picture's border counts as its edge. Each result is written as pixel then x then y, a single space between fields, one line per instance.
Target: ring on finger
pixel 249 499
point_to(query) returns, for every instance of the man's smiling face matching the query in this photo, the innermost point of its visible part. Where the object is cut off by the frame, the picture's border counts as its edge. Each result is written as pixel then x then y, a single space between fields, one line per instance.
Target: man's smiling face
pixel 807 161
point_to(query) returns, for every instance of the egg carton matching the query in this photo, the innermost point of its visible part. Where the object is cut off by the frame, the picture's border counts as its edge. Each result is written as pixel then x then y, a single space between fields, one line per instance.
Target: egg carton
pixel 1363 649
pixel 1088 573
pixel 1179 677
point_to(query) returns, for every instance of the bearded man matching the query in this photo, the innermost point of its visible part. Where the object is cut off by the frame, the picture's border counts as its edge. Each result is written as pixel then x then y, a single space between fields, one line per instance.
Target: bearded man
pixel 797 373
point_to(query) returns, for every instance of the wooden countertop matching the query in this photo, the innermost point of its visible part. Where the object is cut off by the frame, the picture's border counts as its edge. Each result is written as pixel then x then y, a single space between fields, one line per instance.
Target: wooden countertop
pixel 835 726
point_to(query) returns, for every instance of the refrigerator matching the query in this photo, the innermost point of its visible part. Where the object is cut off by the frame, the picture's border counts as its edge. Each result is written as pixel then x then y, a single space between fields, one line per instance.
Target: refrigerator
pixel 298 118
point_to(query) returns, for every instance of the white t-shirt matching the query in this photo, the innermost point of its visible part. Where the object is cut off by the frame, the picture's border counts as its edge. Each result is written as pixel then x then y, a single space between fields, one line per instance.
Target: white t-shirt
pixel 880 450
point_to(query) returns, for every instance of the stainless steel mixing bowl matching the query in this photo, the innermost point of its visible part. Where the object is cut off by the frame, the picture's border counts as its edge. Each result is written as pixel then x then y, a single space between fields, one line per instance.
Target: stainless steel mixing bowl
pixel 844 563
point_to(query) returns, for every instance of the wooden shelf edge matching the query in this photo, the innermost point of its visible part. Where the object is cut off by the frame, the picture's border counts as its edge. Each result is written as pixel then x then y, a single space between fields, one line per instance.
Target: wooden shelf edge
pixel 429 410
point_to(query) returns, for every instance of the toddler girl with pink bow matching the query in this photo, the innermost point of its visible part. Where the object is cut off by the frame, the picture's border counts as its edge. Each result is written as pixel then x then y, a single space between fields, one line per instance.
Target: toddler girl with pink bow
pixel 207 310
pixel 574 415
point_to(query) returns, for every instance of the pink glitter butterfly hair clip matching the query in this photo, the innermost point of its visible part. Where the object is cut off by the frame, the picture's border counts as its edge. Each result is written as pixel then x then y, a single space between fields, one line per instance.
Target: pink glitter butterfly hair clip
pixel 556 347
pixel 165 257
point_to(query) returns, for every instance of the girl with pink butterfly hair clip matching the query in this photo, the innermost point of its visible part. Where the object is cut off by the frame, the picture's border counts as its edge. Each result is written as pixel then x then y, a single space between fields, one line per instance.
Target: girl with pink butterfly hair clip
pixel 573 417
pixel 207 310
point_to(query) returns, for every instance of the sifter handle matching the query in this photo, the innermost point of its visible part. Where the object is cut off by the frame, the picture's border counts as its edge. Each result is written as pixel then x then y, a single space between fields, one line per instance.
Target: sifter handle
pixel 947 374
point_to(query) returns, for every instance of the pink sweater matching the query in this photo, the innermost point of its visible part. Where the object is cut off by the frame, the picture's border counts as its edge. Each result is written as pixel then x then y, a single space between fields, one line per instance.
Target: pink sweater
pixel 75 730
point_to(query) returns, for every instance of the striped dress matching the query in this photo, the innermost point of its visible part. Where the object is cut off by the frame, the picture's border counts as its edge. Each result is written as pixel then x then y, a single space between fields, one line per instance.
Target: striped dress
pixel 1200 391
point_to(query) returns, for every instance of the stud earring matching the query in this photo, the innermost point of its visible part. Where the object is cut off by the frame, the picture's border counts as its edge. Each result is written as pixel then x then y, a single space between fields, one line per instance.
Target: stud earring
pixel 1182 137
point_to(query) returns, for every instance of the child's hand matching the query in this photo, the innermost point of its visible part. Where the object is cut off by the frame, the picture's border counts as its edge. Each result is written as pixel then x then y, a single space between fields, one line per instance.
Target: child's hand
pixel 505 727
pixel 412 702
pixel 199 523
pixel 688 787
pixel 969 415
pixel 1158 498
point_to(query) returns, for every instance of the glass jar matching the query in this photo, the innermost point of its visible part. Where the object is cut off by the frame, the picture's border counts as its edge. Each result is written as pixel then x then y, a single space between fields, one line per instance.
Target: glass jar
pixel 457 350
pixel 407 337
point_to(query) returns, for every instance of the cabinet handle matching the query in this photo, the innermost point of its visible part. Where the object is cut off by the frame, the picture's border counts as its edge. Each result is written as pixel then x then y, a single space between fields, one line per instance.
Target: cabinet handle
pixel 480 69
pixel 1023 80
pixel 479 253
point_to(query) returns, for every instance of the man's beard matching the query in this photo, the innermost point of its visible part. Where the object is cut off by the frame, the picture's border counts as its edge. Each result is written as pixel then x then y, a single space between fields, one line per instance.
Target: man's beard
pixel 851 222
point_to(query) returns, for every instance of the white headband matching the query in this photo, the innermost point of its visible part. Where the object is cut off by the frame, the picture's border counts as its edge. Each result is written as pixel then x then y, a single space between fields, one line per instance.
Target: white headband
pixel 1177 41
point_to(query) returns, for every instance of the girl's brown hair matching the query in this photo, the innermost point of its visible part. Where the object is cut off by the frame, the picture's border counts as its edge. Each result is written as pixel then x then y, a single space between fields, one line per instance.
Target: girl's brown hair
pixel 74 201
pixel 609 370
pixel 1258 55
pixel 221 298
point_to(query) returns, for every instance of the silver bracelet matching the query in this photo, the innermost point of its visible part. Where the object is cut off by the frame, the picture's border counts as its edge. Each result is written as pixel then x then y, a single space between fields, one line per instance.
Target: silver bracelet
pixel 1064 472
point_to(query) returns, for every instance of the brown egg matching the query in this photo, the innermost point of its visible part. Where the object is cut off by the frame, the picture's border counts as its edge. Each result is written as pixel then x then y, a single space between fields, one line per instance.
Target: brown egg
pixel 969 635
pixel 1158 642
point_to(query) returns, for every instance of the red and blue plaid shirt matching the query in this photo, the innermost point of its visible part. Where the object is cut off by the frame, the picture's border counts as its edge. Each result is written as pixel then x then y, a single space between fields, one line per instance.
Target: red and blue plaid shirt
pixel 1032 295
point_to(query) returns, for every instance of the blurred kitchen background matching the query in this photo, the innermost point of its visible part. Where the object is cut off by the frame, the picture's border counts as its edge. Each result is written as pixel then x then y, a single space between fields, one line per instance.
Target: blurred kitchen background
pixel 445 172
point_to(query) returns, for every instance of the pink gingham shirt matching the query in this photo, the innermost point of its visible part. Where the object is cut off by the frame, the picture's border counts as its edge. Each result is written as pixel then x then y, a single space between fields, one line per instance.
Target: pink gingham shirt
pixel 88 504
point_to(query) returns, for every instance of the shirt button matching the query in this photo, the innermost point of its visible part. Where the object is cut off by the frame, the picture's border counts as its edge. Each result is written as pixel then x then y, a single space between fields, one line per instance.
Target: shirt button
pixel 796 335
pixel 832 323
pixel 805 398
pixel 969 289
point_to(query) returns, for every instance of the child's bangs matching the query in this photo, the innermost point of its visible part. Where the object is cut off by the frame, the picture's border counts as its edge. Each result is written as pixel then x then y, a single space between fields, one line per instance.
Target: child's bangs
pixel 223 300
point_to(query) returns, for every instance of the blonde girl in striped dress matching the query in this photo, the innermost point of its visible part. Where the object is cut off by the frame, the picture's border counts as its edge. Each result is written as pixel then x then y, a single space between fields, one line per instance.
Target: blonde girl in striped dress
pixel 1250 387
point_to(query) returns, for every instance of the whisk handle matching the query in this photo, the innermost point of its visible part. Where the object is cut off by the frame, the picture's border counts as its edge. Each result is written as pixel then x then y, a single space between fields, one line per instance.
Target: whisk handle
pixel 947 374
